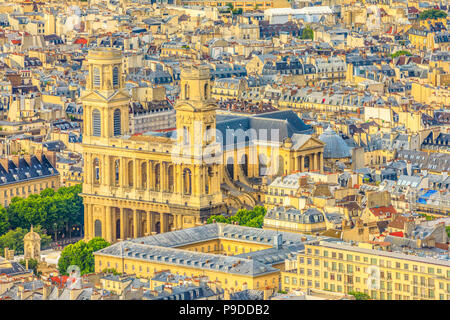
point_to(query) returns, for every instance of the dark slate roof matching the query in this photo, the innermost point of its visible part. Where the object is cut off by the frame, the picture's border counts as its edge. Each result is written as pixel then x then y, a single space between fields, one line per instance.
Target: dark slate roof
pixel 186 292
pixel 247 295
pixel 286 122
pixel 26 171
pixel 13 269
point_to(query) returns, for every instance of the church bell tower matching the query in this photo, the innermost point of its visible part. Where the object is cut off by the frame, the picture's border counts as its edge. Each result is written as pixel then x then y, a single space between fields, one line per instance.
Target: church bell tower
pixel 105 101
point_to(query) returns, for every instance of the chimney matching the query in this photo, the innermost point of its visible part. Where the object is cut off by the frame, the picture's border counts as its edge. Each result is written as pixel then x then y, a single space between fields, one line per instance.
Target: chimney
pixel 39 155
pixel 51 157
pixel 267 293
pixel 168 289
pixel 278 241
pixel 59 291
pixel 15 160
pixel 409 168
pixel 9 254
pixel 27 158
pixel 226 294
pixel 5 163
pixel 74 293
pixel 46 292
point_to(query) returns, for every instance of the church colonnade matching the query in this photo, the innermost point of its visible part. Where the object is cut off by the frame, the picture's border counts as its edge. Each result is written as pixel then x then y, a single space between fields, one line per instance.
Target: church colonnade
pixel 115 224
pixel 151 175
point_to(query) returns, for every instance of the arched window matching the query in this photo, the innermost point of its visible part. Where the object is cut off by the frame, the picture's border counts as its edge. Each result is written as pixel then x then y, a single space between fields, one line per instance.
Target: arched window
pixel 98 228
pixel 280 164
pixel 144 175
pixel 306 164
pixel 96 123
pixel 244 164
pixel 170 178
pixel 130 173
pixel 116 171
pixel 230 167
pixel 186 91
pixel 96 171
pixel 96 81
pixel 262 164
pixel 116 77
pixel 157 177
pixel 209 177
pixel 187 181
pixel 206 93
pixel 118 222
pixel 117 129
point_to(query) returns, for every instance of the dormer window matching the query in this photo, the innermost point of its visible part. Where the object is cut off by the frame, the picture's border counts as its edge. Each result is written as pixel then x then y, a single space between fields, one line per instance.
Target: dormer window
pixel 116 77
pixel 96 78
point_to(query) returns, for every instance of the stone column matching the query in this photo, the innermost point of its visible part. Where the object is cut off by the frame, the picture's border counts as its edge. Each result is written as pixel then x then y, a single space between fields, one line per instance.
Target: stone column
pixel 108 224
pixel 91 221
pixel 106 172
pixel 163 176
pixel 317 162
pixel 135 224
pixel 149 223
pixel 122 172
pixel 138 175
pixel 180 221
pixel 113 224
pixel 321 161
pixel 179 178
pixel 104 223
pixel 135 174
pixel 88 167
pixel 194 180
pixel 175 222
pixel 302 163
pixel 86 226
pixel 123 224
pixel 149 175
pixel 163 222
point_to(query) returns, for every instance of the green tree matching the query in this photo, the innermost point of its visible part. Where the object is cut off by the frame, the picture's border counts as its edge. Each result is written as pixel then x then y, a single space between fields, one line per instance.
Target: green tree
pixel 81 255
pixel 447 228
pixel 307 33
pixel 4 222
pixel 62 208
pixel 13 239
pixel 250 218
pixel 111 270
pixel 32 265
pixel 432 14
pixel 400 53
pixel 359 295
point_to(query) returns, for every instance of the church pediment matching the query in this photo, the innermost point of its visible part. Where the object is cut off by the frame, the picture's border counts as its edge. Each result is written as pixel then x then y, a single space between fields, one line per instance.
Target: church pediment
pixel 194 107
pixel 96 96
pixel 310 144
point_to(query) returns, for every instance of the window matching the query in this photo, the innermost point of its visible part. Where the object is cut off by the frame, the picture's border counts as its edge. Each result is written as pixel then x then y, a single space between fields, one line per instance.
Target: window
pixel 96 123
pixel 96 78
pixel 117 122
pixel 115 77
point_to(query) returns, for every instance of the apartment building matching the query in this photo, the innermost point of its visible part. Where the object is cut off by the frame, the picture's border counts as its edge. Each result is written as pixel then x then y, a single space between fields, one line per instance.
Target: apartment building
pixel 382 274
